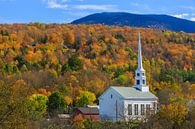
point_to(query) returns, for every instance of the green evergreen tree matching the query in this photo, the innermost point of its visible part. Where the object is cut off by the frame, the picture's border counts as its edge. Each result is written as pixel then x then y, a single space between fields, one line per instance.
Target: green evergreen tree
pixel 56 103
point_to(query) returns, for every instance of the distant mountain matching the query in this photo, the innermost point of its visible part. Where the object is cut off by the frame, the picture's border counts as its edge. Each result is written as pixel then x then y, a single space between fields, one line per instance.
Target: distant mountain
pixel 162 22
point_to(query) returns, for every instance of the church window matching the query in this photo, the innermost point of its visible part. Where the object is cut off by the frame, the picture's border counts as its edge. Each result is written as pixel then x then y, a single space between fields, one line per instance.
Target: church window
pixel 129 109
pixel 148 109
pixel 111 96
pixel 143 74
pixel 136 109
pixel 138 74
pixel 144 81
pixel 138 82
pixel 154 106
pixel 142 109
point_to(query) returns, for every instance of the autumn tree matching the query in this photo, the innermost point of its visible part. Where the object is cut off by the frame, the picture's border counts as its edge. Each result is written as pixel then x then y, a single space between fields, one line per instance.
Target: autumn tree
pixel 75 63
pixel 37 106
pixel 174 113
pixel 14 105
pixel 56 103
pixel 85 98
pixel 69 39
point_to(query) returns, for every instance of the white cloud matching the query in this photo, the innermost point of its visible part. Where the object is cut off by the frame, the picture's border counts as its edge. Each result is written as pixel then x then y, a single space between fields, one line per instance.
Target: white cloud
pixel 192 19
pixel 187 16
pixel 183 15
pixel 96 7
pixel 62 4
pixel 56 4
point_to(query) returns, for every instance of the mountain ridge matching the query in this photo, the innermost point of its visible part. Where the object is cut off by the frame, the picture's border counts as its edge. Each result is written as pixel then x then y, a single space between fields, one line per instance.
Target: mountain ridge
pixel 161 21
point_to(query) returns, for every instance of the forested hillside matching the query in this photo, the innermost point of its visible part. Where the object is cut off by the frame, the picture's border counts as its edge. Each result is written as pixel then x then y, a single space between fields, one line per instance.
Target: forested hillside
pixel 162 22
pixel 75 60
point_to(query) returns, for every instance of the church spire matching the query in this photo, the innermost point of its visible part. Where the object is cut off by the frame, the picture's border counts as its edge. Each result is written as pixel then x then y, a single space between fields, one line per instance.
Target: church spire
pixel 140 76
pixel 139 53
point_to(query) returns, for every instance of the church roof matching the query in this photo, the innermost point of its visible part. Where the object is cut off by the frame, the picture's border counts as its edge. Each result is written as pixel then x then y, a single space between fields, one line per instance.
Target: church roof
pixel 88 110
pixel 133 93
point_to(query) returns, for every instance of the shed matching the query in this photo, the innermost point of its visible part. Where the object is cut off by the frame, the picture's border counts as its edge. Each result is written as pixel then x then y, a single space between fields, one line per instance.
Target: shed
pixel 91 113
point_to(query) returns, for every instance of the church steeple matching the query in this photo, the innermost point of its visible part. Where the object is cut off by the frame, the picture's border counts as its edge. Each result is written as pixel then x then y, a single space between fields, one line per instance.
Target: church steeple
pixel 139 53
pixel 140 75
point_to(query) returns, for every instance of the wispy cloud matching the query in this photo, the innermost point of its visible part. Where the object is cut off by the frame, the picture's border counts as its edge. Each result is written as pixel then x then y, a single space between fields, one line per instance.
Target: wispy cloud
pixel 188 16
pixel 62 4
pixel 96 7
pixel 55 4
pixel 183 15
pixel 192 19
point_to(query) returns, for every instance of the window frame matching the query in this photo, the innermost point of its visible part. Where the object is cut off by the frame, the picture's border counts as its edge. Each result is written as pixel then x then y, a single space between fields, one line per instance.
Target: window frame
pixel 142 109
pixel 137 82
pixel 130 107
pixel 148 109
pixel 136 107
pixel 144 82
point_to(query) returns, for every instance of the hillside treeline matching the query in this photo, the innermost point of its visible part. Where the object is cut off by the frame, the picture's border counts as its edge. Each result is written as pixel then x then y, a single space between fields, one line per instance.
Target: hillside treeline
pixel 76 63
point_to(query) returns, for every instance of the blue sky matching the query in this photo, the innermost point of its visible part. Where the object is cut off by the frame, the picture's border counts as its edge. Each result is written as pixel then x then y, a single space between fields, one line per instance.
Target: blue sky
pixel 65 11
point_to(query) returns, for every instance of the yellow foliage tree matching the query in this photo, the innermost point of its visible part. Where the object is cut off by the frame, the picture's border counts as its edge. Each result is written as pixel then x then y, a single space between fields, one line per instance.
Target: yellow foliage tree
pixel 175 113
pixel 70 38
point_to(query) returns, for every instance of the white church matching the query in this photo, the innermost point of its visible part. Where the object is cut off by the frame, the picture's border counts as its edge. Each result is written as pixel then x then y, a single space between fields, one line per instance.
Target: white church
pixel 125 103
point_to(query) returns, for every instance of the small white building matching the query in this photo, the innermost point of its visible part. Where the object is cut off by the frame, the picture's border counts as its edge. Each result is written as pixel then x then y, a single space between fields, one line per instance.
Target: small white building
pixel 125 103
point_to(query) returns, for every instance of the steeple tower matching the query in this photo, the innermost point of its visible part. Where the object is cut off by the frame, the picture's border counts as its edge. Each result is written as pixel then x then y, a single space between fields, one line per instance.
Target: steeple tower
pixel 140 75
